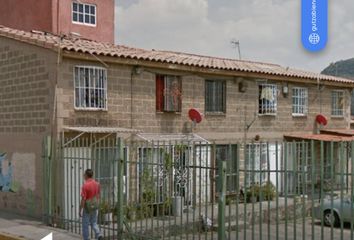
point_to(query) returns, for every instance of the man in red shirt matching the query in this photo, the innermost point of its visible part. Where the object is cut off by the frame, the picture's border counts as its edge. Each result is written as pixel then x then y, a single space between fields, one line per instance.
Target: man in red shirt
pixel 90 193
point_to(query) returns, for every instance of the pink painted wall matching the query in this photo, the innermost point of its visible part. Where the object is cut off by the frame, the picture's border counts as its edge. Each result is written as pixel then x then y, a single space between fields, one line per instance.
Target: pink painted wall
pixel 104 29
pixel 26 14
pixel 43 15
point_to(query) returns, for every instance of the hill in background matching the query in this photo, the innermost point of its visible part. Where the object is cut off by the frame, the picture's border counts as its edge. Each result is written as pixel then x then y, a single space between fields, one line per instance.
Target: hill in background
pixel 343 68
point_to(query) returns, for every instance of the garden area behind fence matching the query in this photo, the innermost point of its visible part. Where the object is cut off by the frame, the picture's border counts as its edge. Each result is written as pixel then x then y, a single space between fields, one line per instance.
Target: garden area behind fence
pixel 198 189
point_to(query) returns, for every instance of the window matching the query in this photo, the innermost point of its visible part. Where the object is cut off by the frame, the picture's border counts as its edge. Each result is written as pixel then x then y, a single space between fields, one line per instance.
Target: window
pixel 297 167
pixel 105 167
pixel 256 158
pixel 300 101
pixel 168 93
pixel 352 104
pixel 228 153
pixel 337 103
pixel 84 13
pixel 267 99
pixel 215 96
pixel 90 87
pixel 164 170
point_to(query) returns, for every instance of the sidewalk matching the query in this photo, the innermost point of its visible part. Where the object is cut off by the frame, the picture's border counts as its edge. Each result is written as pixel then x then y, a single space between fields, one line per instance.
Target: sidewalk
pixel 14 226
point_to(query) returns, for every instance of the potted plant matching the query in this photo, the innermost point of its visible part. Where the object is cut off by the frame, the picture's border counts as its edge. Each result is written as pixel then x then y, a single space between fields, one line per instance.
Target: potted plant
pixel 130 211
pixel 252 194
pixel 106 212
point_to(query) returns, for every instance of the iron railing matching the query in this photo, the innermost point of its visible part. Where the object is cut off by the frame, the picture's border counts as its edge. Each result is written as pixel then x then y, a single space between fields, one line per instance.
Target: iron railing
pixel 202 190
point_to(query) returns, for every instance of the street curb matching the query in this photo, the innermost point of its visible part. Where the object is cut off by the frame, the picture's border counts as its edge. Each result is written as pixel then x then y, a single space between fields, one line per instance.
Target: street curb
pixel 5 236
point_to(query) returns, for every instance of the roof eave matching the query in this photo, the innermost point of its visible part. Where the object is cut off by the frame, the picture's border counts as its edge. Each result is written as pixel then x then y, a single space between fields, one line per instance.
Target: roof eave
pixel 199 70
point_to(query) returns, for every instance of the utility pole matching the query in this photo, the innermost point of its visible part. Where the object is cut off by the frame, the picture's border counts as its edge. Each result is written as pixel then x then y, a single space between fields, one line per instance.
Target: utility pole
pixel 236 44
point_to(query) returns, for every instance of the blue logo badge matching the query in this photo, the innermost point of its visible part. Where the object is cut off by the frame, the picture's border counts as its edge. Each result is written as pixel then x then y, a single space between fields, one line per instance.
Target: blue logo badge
pixel 314 24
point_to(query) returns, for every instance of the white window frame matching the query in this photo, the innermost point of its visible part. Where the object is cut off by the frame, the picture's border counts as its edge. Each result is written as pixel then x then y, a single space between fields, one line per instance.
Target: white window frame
pixel 83 14
pixel 300 101
pixel 265 109
pixel 100 89
pixel 335 111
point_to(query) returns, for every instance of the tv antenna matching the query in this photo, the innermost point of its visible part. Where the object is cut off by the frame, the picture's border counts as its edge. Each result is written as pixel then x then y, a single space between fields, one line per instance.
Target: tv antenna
pixel 236 44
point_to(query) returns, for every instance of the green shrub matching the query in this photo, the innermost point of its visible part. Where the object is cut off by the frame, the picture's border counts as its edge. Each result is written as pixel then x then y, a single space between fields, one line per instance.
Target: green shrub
pixel 266 192
pixel 105 207
pixel 130 210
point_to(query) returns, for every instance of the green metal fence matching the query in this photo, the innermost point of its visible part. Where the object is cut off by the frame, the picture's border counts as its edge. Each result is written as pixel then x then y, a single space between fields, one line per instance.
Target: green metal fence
pixel 203 190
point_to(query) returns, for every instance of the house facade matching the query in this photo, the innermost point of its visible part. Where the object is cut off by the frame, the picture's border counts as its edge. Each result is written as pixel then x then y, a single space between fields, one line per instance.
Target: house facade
pixel 47 92
pixel 89 19
pixel 132 101
pixel 71 87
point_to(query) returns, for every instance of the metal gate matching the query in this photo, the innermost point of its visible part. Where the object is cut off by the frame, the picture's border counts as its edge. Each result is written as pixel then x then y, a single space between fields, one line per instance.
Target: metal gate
pixel 195 189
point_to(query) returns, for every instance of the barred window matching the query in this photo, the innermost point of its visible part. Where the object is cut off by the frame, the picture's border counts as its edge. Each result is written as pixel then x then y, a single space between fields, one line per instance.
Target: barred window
pixel 352 104
pixel 106 170
pixel 215 96
pixel 168 93
pixel 153 170
pixel 300 101
pixel 267 99
pixel 90 87
pixel 256 162
pixel 337 103
pixel 84 13
pixel 228 153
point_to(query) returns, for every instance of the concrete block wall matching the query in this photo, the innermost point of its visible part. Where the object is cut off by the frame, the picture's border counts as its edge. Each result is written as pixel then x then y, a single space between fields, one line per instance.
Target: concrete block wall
pixel 224 128
pixel 26 103
pixel 241 109
pixel 26 93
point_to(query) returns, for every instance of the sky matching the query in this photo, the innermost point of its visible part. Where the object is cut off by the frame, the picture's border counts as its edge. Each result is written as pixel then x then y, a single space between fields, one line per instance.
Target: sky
pixel 268 30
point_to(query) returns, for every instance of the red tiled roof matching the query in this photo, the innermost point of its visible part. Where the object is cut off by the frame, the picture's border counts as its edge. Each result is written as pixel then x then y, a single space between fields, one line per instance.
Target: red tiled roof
pixel 70 44
pixel 319 137
pixel 342 132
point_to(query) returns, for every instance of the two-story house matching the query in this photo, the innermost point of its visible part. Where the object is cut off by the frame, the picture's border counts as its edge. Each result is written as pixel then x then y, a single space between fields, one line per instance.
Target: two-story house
pixel 67 79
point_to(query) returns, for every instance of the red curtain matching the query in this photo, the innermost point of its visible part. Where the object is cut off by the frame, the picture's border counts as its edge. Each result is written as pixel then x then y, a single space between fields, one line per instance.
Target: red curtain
pixel 159 92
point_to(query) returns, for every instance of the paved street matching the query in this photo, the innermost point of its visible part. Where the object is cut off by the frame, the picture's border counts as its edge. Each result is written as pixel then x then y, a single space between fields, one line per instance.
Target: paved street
pixel 34 230
pixel 280 233
pixel 31 229
pixel 292 232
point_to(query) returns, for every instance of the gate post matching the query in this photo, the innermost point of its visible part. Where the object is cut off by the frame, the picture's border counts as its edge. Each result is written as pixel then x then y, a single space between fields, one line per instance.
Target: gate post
pixel 222 195
pixel 47 179
pixel 120 214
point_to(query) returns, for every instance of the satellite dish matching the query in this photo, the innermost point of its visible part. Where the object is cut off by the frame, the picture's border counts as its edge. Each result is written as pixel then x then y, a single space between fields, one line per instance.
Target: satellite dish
pixel 195 115
pixel 322 120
